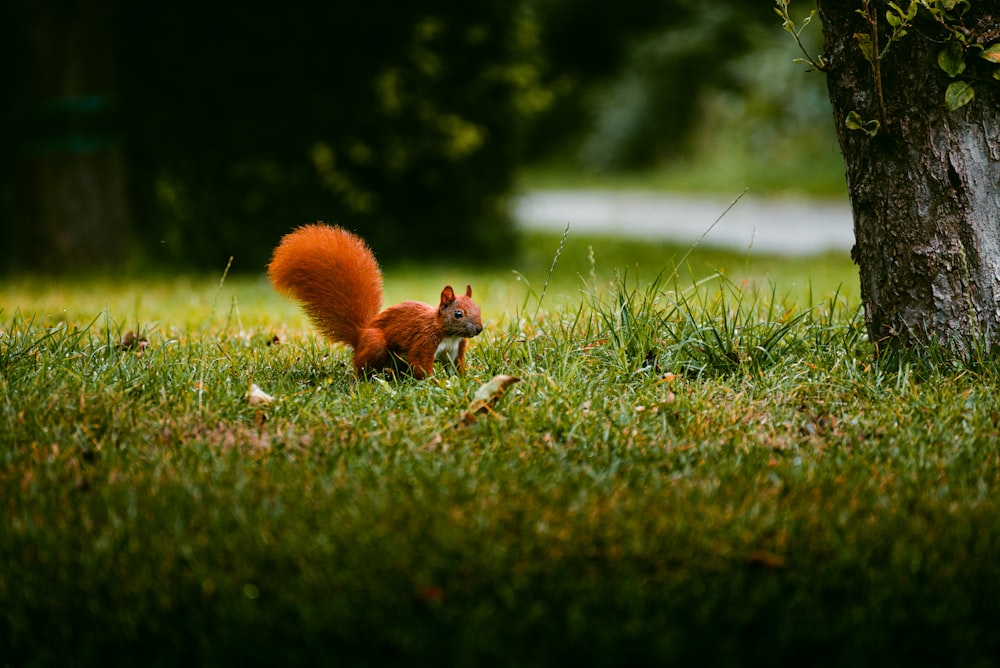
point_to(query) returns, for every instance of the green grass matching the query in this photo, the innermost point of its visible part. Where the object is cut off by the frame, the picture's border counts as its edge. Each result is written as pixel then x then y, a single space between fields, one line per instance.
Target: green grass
pixel 694 468
pixel 819 174
pixel 723 158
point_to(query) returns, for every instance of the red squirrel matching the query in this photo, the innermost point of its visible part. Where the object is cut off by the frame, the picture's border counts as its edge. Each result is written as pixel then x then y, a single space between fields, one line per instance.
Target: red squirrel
pixel 336 277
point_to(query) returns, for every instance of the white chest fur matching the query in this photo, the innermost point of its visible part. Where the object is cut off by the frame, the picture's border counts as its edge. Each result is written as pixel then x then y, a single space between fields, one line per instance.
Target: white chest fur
pixel 448 348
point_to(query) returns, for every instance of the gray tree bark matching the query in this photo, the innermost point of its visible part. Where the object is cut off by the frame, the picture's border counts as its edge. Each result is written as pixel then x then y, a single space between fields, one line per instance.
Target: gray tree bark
pixel 925 190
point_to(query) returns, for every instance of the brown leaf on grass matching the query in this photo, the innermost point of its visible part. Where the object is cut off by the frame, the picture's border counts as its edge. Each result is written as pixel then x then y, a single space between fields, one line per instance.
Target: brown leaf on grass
pixel 594 344
pixel 258 397
pixel 433 444
pixel 822 424
pixel 132 342
pixel 766 559
pixel 487 395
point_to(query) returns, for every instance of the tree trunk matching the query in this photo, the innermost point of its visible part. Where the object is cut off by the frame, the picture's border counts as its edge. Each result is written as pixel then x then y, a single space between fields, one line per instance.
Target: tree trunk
pixel 925 189
pixel 73 212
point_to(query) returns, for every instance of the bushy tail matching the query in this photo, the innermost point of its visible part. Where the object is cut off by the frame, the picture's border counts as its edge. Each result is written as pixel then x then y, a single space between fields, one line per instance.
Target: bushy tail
pixel 335 276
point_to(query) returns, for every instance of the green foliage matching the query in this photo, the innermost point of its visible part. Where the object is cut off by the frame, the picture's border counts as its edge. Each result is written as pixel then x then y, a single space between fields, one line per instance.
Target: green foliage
pixel 758 490
pixel 946 17
pixel 796 29
pixel 855 122
pixel 632 77
pixel 752 120
pixel 959 40
pixel 961 43
pixel 958 94
pixel 399 121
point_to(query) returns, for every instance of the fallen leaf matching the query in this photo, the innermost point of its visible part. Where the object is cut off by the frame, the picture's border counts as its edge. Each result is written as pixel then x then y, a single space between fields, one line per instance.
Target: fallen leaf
pixel 434 443
pixel 132 342
pixel 594 344
pixel 486 396
pixel 488 393
pixel 257 396
pixel 765 559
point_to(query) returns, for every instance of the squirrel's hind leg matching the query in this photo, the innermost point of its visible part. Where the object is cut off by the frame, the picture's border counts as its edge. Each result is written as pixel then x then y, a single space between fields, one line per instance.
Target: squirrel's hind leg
pixel 371 353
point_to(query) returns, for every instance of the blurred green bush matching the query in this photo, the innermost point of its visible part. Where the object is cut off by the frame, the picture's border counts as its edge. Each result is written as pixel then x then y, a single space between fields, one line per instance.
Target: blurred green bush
pixel 397 120
pixel 405 122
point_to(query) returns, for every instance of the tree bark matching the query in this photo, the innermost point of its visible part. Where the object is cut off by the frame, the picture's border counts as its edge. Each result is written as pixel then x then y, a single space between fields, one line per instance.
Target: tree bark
pixel 73 212
pixel 925 190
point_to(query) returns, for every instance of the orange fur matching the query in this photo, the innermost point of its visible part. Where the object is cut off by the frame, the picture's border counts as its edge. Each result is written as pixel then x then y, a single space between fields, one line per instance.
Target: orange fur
pixel 337 279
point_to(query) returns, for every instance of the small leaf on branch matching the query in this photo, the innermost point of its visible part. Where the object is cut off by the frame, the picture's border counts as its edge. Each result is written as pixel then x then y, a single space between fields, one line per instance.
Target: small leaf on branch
pixel 855 122
pixel 951 58
pixel 958 95
pixel 864 42
pixel 991 53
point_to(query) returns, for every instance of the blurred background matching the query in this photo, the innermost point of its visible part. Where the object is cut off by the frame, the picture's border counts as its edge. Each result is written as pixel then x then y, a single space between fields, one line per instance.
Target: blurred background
pixel 176 135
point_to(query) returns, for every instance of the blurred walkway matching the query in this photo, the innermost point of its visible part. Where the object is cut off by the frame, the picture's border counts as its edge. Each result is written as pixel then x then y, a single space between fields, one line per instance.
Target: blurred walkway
pixel 785 226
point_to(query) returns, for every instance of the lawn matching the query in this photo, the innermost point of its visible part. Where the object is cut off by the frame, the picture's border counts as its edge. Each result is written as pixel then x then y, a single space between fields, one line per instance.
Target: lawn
pixel 701 464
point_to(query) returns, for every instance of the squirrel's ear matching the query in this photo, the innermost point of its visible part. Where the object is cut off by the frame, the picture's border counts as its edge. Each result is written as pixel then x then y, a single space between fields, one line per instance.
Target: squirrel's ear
pixel 447 295
pixel 468 291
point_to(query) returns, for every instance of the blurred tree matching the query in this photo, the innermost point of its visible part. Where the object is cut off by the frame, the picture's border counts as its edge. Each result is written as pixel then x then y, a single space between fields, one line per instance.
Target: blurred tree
pixel 916 99
pixel 632 74
pixel 404 121
pixel 400 121
pixel 73 209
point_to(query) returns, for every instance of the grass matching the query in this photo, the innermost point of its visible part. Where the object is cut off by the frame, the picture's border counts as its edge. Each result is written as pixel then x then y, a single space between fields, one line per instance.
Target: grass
pixel 725 156
pixel 695 467
pixel 816 175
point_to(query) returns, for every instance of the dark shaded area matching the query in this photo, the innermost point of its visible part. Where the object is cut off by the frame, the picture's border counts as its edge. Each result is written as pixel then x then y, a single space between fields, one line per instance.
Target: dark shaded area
pixel 382 117
pixel 181 134
pixel 234 125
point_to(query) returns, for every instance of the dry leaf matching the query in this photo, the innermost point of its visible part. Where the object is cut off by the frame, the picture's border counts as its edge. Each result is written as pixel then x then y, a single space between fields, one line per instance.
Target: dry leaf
pixel 257 396
pixel 132 342
pixel 487 395
pixel 434 443
pixel 766 559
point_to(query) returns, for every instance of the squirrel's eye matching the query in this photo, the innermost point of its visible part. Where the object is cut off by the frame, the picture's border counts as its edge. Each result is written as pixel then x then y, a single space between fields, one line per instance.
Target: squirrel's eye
pixel 458 314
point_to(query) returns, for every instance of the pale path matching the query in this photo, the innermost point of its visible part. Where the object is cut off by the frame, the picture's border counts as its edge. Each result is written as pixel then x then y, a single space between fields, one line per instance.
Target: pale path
pixel 786 226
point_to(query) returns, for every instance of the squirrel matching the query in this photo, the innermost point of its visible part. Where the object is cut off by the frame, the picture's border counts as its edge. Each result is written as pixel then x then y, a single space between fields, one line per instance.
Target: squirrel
pixel 336 277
